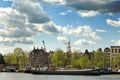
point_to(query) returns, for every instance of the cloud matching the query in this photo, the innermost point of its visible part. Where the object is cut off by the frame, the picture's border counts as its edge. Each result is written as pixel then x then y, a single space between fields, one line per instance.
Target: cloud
pixel 99 30
pixel 12 41
pixel 113 22
pixel 85 31
pixel 87 8
pixel 65 13
pixel 62 39
pixel 52 2
pixel 26 19
pixel 17 32
pixel 49 28
pixel 87 13
pixel 32 10
pixel 7 0
pixel 116 42
pixel 101 6
pixel 81 42
pixel 15 28
pixel 18 22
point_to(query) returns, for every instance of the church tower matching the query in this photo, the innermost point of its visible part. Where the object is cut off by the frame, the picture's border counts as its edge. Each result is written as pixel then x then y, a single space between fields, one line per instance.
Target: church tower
pixel 68 46
pixel 68 52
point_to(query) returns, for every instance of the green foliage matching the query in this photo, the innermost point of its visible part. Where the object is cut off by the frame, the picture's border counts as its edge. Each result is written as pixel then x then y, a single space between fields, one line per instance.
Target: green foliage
pixel 116 62
pixel 18 57
pixel 84 61
pixel 98 58
pixel 74 57
pixel 2 61
pixel 9 58
pixel 58 58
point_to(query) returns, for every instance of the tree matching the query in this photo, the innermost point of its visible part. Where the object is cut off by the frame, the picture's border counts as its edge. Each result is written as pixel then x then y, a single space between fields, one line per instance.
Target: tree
pixel 84 62
pixel 115 63
pixel 9 58
pixel 58 59
pixel 88 54
pixel 18 57
pixel 2 61
pixel 74 57
pixel 18 52
pixel 98 60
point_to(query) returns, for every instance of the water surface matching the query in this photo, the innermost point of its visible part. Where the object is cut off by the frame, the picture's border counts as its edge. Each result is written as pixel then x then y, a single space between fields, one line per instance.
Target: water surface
pixel 24 76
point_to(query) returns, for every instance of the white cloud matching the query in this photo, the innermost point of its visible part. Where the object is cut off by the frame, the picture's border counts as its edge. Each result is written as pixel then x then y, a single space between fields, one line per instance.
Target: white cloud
pixel 85 31
pixel 99 30
pixel 49 28
pixel 87 13
pixel 12 41
pixel 17 22
pixel 21 22
pixel 33 11
pixel 53 2
pixel 15 29
pixel 83 42
pixel 7 0
pixel 65 13
pixel 116 42
pixel 113 22
pixel 93 36
pixel 62 39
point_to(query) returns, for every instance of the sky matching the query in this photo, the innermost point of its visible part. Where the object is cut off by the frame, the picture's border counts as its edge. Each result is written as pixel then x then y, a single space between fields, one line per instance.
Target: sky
pixel 89 24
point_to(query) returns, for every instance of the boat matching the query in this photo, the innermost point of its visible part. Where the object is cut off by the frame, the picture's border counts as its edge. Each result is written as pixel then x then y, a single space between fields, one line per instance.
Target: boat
pixel 108 72
pixel 67 72
pixel 10 70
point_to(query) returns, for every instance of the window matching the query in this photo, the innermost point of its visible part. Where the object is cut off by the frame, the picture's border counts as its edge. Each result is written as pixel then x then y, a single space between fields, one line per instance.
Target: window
pixel 119 50
pixel 112 58
pixel 112 50
pixel 115 50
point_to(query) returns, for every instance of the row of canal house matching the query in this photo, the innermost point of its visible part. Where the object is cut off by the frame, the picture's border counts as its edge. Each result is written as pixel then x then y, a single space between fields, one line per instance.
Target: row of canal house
pixel 112 56
pixel 39 57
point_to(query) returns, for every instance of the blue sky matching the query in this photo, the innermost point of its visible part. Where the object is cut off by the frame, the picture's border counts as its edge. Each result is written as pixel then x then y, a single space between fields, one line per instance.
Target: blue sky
pixel 90 24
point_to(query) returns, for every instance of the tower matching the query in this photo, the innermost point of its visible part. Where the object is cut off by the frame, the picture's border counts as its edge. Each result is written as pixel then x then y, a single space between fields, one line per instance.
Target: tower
pixel 68 46
pixel 68 52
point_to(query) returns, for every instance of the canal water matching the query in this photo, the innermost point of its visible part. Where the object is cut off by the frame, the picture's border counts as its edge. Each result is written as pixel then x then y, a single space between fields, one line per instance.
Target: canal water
pixel 24 76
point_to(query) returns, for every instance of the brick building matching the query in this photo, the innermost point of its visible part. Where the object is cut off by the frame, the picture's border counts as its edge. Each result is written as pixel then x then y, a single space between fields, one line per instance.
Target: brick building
pixel 114 55
pixel 38 57
pixel 107 57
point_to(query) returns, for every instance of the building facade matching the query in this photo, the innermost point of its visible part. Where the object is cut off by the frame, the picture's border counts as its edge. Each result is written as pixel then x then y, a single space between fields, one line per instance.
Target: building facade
pixel 107 57
pixel 114 55
pixel 38 58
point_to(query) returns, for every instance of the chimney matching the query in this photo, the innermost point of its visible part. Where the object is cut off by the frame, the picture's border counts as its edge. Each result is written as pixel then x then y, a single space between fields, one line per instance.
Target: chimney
pixel 34 47
pixel 37 48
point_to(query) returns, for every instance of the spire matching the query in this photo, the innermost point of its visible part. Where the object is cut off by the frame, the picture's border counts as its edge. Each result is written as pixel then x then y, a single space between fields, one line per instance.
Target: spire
pixel 69 46
pixel 44 45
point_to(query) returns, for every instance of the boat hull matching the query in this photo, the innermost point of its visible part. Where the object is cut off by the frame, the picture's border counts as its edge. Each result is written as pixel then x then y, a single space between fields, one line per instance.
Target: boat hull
pixel 91 72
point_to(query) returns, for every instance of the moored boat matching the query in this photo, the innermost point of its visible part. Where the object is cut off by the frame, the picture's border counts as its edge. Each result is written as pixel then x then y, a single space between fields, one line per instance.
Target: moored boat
pixel 108 72
pixel 67 72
